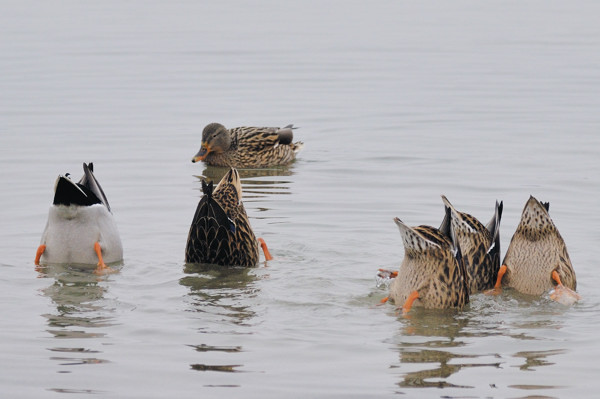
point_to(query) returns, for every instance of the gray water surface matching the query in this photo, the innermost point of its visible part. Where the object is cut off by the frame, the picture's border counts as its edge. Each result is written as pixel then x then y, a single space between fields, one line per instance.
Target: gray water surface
pixel 397 103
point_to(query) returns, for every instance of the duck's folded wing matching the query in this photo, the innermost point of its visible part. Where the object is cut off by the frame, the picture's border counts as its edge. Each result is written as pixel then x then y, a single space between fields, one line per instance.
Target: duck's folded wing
pixel 89 181
pixel 259 138
pixel 210 233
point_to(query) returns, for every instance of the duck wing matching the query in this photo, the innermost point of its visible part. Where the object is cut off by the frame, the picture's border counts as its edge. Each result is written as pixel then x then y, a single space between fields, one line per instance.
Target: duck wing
pixel 211 231
pixel 494 228
pixel 67 192
pixel 89 182
pixel 211 211
pixel 258 138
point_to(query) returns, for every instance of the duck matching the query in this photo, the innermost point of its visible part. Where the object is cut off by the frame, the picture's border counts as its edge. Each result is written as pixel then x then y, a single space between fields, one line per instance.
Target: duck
pixel 247 147
pixel 479 245
pixel 220 232
pixel 537 260
pixel 81 230
pixel 432 273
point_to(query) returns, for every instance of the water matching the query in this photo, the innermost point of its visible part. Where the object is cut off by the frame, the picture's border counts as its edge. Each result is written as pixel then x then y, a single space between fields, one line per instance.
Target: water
pixel 397 102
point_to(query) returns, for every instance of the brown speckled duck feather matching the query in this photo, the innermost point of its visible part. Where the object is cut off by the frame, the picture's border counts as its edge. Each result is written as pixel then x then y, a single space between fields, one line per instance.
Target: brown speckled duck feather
pixel 433 267
pixel 220 232
pixel 535 251
pixel 479 245
pixel 247 147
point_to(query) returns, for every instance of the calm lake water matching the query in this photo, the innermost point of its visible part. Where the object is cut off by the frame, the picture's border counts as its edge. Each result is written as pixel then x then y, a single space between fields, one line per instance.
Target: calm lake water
pixel 397 103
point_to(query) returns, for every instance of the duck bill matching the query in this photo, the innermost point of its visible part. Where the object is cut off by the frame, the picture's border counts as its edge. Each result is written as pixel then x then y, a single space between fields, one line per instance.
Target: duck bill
pixel 201 155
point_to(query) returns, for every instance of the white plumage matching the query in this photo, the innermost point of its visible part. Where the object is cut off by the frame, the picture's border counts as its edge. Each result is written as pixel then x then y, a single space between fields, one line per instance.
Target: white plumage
pixel 78 221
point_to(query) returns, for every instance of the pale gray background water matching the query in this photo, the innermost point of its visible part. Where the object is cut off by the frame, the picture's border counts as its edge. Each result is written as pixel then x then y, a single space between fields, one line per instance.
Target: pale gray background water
pixel 397 102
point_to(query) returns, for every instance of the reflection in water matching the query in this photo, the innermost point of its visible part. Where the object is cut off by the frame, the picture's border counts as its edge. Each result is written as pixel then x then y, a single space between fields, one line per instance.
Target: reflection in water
pixel 537 358
pixel 221 294
pixel 76 295
pixel 442 329
pixel 220 291
pixel 254 188
pixel 433 345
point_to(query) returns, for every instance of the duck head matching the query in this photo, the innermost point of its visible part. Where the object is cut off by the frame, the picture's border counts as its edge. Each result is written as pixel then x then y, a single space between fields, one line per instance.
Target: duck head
pixel 215 139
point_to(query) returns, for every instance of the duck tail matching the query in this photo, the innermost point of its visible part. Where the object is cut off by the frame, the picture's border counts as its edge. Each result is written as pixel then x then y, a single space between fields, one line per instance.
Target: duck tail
pixel 208 188
pixel 297 147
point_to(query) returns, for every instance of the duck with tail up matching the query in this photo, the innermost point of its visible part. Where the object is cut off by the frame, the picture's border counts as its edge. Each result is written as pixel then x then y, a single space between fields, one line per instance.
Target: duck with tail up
pixel 81 230
pixel 537 260
pixel 479 245
pixel 220 232
pixel 247 147
pixel 432 273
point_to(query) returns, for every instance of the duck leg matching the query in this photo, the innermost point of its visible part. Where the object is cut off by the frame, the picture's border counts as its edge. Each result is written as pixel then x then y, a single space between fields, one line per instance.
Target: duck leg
pixel 263 245
pixel 409 302
pixel 38 254
pixel 498 287
pixel 102 268
pixel 562 294
pixel 383 275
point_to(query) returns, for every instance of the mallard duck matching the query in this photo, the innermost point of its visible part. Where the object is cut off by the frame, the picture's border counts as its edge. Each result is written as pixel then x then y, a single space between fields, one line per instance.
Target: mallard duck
pixel 537 260
pixel 81 229
pixel 479 245
pixel 220 232
pixel 247 147
pixel 432 272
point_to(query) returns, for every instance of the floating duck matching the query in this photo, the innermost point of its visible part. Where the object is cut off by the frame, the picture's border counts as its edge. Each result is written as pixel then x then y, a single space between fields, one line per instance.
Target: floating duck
pixel 537 260
pixel 432 272
pixel 81 229
pixel 479 245
pixel 247 147
pixel 220 232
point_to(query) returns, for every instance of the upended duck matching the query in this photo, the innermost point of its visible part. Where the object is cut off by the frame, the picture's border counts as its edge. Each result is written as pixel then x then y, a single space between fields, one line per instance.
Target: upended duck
pixel 537 260
pixel 247 147
pixel 81 229
pixel 220 232
pixel 479 245
pixel 432 273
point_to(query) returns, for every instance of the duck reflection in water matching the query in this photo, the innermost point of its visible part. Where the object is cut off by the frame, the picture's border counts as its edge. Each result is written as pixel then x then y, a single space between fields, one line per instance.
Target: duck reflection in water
pixel 78 296
pixel 253 186
pixel 430 338
pixel 221 297
pixel 220 291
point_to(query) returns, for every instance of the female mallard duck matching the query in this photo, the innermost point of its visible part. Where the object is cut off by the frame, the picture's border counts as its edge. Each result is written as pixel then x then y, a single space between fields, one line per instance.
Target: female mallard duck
pixel 432 271
pixel 537 260
pixel 479 245
pixel 81 229
pixel 247 147
pixel 220 232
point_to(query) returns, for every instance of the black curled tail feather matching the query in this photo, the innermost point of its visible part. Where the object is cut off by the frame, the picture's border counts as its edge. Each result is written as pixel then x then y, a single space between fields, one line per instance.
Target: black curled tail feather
pixel 207 188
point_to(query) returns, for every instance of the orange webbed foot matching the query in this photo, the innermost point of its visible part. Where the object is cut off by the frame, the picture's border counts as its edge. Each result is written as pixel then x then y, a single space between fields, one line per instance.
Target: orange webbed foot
pixel 409 302
pixel 386 274
pixel 263 245
pixel 38 254
pixel 498 287
pixel 102 268
pixel 562 294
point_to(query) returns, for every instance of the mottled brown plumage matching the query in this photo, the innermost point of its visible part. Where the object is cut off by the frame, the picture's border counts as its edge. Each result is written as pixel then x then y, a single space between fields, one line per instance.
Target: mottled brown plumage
pixel 479 245
pixel 247 147
pixel 432 266
pixel 535 251
pixel 220 232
